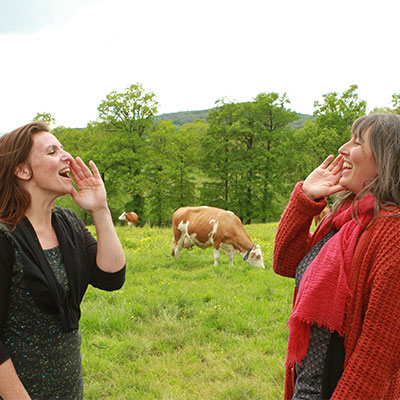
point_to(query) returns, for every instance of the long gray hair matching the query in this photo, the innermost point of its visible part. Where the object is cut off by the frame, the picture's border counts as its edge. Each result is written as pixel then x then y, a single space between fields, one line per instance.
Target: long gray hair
pixel 385 145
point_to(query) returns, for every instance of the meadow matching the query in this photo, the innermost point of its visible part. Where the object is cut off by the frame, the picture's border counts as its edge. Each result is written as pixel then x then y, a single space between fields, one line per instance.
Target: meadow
pixel 183 329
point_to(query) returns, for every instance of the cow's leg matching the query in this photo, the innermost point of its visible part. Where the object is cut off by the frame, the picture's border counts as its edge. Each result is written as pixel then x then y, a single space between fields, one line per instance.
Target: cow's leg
pixel 173 249
pixel 176 247
pixel 217 254
pixel 229 251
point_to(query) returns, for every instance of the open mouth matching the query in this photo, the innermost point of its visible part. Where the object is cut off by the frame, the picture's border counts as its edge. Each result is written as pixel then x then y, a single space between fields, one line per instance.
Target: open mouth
pixel 64 172
pixel 347 165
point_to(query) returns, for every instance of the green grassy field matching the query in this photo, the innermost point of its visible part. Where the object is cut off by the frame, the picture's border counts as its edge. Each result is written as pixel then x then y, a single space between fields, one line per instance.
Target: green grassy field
pixel 184 329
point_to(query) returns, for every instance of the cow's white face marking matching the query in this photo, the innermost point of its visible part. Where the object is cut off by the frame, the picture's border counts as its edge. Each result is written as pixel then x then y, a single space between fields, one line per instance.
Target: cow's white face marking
pixel 122 217
pixel 255 257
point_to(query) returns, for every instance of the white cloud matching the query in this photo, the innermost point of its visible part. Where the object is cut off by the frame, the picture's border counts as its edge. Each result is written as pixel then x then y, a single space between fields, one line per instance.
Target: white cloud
pixel 192 53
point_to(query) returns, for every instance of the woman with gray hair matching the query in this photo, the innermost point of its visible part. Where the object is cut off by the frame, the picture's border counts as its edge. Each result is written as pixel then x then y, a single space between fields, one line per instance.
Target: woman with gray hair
pixel 344 328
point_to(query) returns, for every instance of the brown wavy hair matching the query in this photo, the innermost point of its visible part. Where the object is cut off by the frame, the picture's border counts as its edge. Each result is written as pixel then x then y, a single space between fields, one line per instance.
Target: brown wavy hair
pixel 14 150
pixel 385 145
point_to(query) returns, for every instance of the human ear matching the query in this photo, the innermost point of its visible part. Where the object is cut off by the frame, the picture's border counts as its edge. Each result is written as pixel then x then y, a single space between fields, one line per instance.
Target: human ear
pixel 23 172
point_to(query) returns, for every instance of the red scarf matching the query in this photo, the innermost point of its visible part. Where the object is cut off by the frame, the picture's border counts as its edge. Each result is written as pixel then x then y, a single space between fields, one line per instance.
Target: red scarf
pixel 324 290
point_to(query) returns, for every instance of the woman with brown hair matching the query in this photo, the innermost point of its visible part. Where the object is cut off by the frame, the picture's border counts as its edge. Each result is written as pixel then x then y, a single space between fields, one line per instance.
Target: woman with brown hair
pixel 47 260
pixel 344 328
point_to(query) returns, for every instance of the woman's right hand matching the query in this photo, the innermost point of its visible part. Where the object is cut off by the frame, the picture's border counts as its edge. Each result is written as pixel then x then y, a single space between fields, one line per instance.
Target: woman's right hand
pixel 322 182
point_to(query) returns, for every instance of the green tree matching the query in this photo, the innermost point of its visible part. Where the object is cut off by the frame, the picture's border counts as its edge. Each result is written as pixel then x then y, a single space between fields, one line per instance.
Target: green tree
pixel 340 111
pixel 126 118
pixel 388 110
pixel 47 118
pixel 240 150
pixel 185 145
pixel 324 135
pixel 396 103
pixel 382 110
pixel 172 170
pixel 158 173
pixel 273 126
pixel 217 156
pixel 83 143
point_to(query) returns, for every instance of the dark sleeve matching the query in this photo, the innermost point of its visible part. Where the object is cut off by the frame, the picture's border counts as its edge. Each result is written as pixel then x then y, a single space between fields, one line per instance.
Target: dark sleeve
pixel 102 280
pixel 6 264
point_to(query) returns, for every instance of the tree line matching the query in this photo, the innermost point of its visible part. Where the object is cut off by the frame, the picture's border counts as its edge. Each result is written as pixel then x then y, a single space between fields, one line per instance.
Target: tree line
pixel 245 158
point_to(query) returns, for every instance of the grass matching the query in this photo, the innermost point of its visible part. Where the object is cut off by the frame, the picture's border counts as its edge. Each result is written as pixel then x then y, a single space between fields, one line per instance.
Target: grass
pixel 183 329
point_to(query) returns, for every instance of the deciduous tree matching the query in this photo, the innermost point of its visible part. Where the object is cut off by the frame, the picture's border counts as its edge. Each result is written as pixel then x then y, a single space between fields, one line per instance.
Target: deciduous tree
pixel 47 118
pixel 126 119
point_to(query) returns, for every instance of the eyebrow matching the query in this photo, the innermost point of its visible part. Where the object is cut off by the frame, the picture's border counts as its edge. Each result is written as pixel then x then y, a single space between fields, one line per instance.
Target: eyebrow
pixel 54 145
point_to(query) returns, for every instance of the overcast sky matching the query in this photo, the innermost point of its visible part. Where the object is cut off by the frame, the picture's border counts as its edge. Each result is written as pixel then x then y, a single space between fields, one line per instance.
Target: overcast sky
pixel 64 56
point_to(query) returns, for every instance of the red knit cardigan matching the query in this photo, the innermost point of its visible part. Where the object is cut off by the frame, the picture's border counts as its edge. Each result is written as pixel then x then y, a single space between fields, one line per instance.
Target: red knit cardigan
pixel 372 321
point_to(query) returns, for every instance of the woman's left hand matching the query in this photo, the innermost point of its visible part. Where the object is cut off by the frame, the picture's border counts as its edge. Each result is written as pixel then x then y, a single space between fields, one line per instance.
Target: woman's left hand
pixel 91 194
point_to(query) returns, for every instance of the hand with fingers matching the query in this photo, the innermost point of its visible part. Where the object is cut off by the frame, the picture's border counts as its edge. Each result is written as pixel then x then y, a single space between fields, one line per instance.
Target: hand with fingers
pixel 91 194
pixel 323 181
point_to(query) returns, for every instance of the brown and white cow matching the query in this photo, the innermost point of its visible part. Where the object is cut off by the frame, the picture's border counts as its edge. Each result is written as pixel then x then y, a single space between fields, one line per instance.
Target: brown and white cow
pixel 209 226
pixel 131 218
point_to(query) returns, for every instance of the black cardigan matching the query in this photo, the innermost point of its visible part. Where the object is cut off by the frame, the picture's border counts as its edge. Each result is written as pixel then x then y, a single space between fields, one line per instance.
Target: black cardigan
pixel 78 248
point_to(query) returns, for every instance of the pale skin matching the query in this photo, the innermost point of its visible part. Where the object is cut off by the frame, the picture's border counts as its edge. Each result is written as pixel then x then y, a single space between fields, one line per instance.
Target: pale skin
pixel 350 170
pixel 323 181
pixel 90 196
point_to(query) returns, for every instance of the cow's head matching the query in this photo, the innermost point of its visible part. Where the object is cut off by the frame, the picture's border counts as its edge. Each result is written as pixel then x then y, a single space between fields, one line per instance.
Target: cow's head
pixel 122 217
pixel 255 257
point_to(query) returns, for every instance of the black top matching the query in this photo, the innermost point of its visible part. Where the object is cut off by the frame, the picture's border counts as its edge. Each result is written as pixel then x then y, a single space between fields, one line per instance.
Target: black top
pixel 78 248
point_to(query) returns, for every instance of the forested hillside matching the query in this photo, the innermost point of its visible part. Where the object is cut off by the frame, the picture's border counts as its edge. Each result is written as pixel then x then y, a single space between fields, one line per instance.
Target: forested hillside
pixel 184 117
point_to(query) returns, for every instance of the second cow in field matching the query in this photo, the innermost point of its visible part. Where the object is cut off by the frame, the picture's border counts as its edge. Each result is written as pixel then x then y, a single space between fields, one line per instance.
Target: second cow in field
pixel 209 226
pixel 131 218
pixel 318 218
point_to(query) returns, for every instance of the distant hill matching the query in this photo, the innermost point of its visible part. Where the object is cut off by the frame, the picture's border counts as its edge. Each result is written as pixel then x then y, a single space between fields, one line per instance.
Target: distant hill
pixel 183 117
pixel 299 123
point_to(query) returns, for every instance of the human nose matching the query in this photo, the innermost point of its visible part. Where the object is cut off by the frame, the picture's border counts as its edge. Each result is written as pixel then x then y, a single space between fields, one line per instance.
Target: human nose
pixel 344 149
pixel 66 156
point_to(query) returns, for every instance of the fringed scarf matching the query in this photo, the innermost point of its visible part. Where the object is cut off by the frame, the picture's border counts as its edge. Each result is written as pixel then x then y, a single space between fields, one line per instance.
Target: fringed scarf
pixel 324 291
